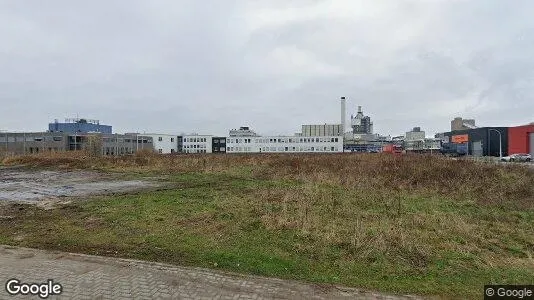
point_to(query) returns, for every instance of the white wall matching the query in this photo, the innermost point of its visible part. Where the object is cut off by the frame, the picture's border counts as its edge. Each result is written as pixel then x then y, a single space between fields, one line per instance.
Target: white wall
pixel 163 143
pixel 283 144
pixel 197 143
pixel 415 135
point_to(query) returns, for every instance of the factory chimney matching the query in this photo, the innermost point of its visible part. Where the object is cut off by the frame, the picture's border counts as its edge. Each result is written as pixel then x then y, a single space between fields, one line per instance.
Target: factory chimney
pixel 343 115
pixel 359 109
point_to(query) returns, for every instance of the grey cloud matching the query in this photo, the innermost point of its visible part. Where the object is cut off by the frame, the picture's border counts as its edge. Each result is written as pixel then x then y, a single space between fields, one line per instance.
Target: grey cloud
pixel 184 66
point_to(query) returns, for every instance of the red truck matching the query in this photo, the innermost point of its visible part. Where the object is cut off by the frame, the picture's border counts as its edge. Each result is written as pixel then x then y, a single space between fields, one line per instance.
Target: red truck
pixel 395 149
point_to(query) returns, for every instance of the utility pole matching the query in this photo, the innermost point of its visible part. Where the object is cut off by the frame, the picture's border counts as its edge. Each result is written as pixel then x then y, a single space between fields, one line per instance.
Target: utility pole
pixel 500 142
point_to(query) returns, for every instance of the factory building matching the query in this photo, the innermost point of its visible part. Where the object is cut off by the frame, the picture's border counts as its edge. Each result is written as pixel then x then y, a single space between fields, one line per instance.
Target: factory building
pixel 197 144
pixel 416 141
pixel 284 144
pixel 163 143
pixel 462 124
pixel 322 130
pixel 79 126
pixel 362 138
pixel 360 123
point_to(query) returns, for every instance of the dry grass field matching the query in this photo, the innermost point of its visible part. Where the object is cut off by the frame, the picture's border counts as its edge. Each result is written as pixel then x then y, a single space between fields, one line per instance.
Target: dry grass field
pixel 404 224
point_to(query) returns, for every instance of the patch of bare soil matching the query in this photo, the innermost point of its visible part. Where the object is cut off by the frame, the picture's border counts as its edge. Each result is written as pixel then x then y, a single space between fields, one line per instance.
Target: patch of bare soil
pixel 46 187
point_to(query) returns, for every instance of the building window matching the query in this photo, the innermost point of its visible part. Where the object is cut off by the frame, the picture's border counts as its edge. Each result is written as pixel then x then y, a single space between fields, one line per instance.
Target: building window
pixel 160 139
pixel 172 140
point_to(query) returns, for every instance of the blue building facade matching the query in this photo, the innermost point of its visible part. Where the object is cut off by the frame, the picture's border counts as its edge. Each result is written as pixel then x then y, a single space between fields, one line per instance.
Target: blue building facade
pixel 79 126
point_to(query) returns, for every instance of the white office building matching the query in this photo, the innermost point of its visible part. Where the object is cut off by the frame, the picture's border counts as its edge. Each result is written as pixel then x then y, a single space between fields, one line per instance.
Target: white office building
pixel 284 144
pixel 163 143
pixel 197 144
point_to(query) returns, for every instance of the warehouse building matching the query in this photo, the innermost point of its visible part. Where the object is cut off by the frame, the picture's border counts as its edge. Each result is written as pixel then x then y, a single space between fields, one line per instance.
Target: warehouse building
pixel 521 139
pixel 483 141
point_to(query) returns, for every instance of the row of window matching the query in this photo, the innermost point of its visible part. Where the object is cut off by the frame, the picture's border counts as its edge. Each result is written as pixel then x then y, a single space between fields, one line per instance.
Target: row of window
pixel 195 140
pixel 13 139
pixel 195 151
pixel 219 141
pixel 195 146
pixel 121 140
pixel 283 149
pixel 284 140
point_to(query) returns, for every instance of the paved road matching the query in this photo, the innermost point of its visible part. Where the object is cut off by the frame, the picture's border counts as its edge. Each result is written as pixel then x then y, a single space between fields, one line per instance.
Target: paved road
pixel 94 277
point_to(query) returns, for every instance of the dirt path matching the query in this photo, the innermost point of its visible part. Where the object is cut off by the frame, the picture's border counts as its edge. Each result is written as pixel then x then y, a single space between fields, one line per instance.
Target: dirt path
pixel 94 277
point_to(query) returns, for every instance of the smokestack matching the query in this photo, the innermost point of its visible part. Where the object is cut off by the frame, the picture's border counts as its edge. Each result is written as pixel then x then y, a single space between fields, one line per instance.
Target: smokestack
pixel 359 109
pixel 343 115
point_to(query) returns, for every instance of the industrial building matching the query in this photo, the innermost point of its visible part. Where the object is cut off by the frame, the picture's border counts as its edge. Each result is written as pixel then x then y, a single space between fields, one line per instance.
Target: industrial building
pixel 462 124
pixel 360 123
pixel 322 130
pixel 16 143
pixel 85 134
pixel 77 125
pixel 482 141
pixel 521 139
pixel 33 142
pixel 415 141
pixel 361 138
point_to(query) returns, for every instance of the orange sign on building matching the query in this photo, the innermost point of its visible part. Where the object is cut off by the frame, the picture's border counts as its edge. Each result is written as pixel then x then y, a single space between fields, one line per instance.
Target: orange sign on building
pixel 462 138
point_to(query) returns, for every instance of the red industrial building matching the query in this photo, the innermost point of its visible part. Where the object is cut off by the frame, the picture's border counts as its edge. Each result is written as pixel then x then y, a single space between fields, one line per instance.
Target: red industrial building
pixel 521 139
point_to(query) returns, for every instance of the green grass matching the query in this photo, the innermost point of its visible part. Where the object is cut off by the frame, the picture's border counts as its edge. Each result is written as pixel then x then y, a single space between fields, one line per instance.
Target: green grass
pixel 394 241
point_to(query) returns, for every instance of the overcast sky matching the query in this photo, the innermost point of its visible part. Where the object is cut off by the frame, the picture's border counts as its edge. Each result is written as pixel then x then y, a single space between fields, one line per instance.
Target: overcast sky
pixel 207 66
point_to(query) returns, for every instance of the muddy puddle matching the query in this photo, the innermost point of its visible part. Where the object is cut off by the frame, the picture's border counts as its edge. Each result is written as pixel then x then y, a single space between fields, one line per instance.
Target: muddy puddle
pixel 38 185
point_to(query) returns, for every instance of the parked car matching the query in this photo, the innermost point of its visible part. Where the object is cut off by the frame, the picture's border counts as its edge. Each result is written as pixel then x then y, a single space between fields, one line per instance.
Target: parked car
pixel 519 157
pixel 453 149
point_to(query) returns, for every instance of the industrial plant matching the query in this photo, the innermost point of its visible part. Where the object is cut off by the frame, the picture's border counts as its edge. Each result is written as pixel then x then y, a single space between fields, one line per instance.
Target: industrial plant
pixel 464 138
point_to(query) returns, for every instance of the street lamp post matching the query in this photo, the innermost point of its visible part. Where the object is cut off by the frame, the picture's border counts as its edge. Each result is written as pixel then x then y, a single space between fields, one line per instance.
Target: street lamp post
pixel 500 142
